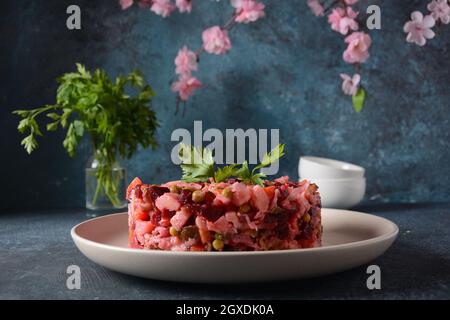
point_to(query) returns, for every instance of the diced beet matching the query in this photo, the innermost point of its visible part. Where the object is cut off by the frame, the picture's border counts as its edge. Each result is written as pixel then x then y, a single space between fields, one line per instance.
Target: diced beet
pixel 167 215
pixel 155 218
pixel 155 191
pixel 209 197
pixel 185 196
pixel 195 208
pixel 282 229
pixel 213 213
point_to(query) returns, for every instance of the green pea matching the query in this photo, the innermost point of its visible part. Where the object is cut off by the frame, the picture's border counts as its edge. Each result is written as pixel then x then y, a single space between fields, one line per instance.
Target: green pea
pixel 306 217
pixel 227 192
pixel 174 189
pixel 198 196
pixel 218 245
pixel 173 232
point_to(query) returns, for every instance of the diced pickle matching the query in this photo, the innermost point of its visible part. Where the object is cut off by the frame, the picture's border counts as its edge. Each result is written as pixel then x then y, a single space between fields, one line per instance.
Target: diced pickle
pixel 189 232
pixel 245 208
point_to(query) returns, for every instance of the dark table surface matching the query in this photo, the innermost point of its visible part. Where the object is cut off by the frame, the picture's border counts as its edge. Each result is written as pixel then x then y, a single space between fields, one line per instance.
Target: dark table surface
pixel 36 249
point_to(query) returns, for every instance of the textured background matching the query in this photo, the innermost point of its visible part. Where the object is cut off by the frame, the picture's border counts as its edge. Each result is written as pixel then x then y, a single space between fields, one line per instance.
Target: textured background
pixel 281 73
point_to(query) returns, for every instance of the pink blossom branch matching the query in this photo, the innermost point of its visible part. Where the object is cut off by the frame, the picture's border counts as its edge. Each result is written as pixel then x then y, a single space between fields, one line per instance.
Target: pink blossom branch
pixel 227 26
pixel 343 19
pixel 215 41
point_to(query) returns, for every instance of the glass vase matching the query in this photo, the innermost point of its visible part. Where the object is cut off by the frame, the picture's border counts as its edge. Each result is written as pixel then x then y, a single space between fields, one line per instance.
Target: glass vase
pixel 105 184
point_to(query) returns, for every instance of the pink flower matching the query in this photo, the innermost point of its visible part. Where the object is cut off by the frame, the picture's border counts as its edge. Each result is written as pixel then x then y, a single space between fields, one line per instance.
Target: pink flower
pixel 248 10
pixel 162 7
pixel 350 85
pixel 440 10
pixel 185 86
pixel 358 47
pixel 216 40
pixel 186 61
pixel 350 2
pixel 184 5
pixel 125 4
pixel 343 20
pixel 317 9
pixel 419 28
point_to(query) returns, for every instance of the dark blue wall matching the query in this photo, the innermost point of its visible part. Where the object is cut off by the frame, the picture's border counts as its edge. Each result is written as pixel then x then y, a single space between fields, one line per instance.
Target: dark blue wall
pixel 281 73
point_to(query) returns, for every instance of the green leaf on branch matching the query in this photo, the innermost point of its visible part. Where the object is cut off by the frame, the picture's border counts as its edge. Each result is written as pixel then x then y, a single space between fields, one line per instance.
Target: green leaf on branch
pixel 53 116
pixel 79 128
pixel 29 143
pixel 52 126
pixel 23 125
pixel 358 99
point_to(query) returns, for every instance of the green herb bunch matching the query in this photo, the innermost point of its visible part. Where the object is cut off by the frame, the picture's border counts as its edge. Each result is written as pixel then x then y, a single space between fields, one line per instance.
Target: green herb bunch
pixel 198 165
pixel 91 103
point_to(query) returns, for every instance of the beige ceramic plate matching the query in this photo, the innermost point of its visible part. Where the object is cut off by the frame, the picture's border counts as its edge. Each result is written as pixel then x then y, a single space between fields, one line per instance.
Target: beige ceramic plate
pixel 350 239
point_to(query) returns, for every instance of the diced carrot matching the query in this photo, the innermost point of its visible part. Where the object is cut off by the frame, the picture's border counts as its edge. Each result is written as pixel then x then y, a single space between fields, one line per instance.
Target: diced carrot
pixel 204 235
pixel 270 191
pixel 200 222
pixel 140 214
pixel 197 248
pixel 307 243
pixel 131 238
pixel 136 182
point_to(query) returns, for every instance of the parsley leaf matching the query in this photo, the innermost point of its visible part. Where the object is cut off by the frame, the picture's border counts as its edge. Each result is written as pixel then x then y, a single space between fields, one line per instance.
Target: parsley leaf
pixel 197 163
pixel 271 157
pixel 198 166
pixel 222 174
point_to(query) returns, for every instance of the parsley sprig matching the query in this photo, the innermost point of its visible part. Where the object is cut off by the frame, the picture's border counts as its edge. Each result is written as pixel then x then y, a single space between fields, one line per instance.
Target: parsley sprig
pixel 92 103
pixel 197 165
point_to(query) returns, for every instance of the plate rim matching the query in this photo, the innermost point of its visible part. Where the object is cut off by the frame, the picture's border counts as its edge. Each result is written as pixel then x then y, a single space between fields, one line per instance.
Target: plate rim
pixel 392 235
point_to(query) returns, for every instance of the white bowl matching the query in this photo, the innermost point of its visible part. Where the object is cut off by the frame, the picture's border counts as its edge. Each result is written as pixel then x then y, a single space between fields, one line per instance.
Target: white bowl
pixel 340 193
pixel 322 168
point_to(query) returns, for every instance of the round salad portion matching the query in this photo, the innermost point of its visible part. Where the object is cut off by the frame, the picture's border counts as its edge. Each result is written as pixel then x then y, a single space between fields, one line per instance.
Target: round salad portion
pixel 232 215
